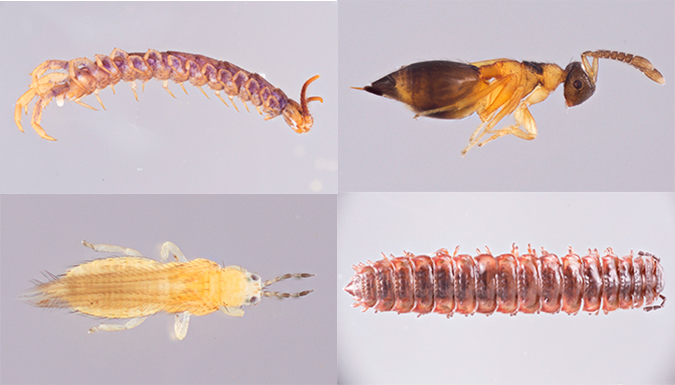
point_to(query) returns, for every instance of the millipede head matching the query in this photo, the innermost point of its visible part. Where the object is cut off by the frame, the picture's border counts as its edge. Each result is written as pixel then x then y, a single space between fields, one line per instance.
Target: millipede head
pixel 297 115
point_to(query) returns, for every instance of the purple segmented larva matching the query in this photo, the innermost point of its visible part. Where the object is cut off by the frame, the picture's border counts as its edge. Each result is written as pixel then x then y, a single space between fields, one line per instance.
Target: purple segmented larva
pixel 508 283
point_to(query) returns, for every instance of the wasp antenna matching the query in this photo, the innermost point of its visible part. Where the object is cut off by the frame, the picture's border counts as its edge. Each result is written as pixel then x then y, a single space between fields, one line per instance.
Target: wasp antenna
pixel 639 62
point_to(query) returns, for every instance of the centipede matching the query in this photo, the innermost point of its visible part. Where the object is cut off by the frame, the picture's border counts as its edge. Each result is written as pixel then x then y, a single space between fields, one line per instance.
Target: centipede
pixel 509 283
pixel 74 79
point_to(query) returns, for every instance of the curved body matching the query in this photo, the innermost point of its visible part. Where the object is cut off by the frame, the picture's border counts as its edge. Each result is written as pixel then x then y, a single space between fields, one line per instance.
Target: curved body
pixel 127 287
pixel 496 88
pixel 80 77
pixel 509 283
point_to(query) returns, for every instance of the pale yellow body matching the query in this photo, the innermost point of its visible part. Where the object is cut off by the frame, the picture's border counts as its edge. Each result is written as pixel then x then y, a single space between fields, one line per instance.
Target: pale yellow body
pixel 128 287
pixel 135 287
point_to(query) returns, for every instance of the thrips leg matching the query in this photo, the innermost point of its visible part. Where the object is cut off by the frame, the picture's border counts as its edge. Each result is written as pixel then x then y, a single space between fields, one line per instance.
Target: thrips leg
pixel 169 248
pixel 234 311
pixel 181 325
pixel 132 323
pixel 100 247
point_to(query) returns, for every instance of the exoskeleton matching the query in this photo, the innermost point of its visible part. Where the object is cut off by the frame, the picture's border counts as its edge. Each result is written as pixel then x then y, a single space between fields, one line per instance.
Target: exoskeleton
pixel 494 89
pixel 77 78
pixel 135 287
pixel 509 283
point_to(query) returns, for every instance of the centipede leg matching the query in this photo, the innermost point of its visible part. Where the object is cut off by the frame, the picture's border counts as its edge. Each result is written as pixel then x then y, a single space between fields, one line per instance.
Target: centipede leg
pixel 133 88
pixel 37 117
pixel 221 98
pixel 232 100
pixel 165 84
pixel 83 104
pixel 22 103
pixel 99 99
pixel 202 90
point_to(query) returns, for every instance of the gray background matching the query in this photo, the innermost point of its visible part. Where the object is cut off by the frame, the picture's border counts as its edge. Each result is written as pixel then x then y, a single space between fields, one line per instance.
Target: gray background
pixel 277 341
pixel 625 346
pixel 621 139
pixel 190 144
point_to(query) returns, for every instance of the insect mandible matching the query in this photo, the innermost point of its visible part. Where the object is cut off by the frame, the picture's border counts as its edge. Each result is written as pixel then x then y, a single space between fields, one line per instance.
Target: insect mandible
pixel 508 283
pixel 136 287
pixel 495 89
pixel 74 79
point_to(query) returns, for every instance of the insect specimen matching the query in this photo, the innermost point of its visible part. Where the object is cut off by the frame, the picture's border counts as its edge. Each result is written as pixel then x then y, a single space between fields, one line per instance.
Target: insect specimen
pixel 74 79
pixel 495 89
pixel 509 283
pixel 136 287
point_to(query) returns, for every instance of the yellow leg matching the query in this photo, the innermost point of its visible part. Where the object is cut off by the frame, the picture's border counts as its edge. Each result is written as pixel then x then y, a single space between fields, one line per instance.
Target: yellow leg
pixel 165 84
pixel 99 99
pixel 202 90
pixel 37 117
pixel 183 87
pixel 83 104
pixel 133 88
pixel 22 103
pixel 232 100
pixel 221 98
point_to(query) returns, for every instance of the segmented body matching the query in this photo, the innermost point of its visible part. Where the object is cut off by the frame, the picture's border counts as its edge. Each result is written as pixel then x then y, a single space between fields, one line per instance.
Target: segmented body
pixel 80 77
pixel 127 287
pixel 508 283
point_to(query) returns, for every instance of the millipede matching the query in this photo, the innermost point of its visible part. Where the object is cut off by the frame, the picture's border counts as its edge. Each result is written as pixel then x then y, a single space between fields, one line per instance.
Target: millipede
pixel 74 79
pixel 509 283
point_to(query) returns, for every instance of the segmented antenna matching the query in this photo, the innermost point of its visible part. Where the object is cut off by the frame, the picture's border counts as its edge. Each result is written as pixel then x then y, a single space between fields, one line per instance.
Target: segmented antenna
pixel 638 62
pixel 286 295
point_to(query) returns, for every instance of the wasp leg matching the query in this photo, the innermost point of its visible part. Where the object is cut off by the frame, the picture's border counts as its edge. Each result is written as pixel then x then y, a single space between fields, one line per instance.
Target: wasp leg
pixel 103 248
pixel 523 118
pixel 132 323
pixel 169 248
pixel 181 325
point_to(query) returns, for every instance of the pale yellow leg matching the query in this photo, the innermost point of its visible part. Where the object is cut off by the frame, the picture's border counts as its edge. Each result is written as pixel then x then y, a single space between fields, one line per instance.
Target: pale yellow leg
pixel 22 103
pixel 37 117
pixel 259 110
pixel 181 325
pixel 105 327
pixel 133 88
pixel 523 118
pixel 169 248
pixel 105 248
pixel 221 98
pixel 246 105
pixel 165 84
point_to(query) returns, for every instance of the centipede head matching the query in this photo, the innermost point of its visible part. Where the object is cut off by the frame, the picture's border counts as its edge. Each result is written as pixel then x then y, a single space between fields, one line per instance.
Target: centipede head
pixel 296 115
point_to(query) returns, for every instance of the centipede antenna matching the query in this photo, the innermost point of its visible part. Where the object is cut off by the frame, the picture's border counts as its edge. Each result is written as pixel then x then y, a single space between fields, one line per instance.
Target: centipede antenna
pixel 303 100
pixel 638 62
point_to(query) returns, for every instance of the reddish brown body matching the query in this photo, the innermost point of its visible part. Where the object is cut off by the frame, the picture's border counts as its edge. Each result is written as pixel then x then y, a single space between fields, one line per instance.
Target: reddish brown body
pixel 508 283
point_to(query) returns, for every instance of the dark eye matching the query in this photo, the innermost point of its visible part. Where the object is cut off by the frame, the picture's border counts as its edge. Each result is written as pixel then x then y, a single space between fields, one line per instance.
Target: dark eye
pixel 253 300
pixel 578 84
pixel 255 277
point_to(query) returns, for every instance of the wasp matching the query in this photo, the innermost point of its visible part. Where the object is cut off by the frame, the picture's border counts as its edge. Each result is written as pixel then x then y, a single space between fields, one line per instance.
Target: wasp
pixel 494 89
pixel 135 287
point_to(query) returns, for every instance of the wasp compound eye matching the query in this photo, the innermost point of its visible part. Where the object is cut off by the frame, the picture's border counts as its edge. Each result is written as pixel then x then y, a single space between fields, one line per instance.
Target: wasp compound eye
pixel 578 86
